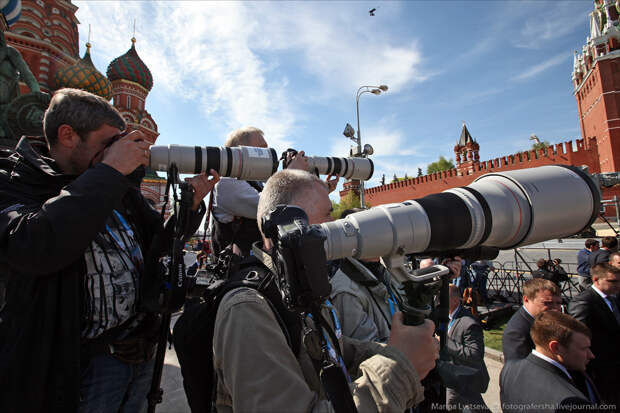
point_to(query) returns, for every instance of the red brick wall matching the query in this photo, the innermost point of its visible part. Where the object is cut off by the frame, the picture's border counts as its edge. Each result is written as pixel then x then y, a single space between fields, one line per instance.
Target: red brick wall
pixel 563 154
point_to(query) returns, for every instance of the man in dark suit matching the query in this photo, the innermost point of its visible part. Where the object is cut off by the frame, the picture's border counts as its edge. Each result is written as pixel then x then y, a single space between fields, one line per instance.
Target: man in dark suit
pixel 465 347
pixel 539 295
pixel 608 245
pixel 541 382
pixel 597 307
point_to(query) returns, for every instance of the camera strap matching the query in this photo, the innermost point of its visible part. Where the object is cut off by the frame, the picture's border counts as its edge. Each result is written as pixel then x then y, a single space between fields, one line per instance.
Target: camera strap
pixel 330 368
pixel 324 349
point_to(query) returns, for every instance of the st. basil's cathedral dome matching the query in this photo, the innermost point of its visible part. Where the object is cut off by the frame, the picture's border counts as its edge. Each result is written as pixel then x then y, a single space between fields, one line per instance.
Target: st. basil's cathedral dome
pixel 130 67
pixel 84 75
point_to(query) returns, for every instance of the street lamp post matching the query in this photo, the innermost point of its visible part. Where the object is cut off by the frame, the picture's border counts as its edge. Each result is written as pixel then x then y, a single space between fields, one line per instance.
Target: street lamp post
pixel 375 90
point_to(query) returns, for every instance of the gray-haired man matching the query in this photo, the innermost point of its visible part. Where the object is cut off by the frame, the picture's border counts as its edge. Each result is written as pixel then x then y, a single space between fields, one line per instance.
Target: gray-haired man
pixel 257 370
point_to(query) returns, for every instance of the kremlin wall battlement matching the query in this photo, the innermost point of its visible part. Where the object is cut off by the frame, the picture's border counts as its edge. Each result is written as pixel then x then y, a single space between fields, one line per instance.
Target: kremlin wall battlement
pixel 578 154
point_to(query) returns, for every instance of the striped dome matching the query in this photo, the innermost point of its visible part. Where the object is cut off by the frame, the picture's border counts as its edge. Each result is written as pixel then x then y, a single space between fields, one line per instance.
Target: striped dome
pixel 84 75
pixel 12 10
pixel 130 67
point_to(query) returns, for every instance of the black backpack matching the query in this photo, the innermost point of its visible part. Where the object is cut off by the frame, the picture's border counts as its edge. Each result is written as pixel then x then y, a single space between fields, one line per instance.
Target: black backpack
pixel 193 332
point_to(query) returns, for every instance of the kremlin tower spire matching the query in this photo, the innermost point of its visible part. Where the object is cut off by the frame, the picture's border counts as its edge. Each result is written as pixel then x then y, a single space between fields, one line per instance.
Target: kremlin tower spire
pixel 466 151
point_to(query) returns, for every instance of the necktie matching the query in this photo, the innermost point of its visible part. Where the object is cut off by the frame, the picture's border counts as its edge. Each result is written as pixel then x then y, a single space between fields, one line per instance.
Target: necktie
pixel 614 307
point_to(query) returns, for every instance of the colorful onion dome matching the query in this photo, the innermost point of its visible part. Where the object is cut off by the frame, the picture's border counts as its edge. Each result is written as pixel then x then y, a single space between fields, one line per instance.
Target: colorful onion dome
pixel 130 67
pixel 12 10
pixel 84 75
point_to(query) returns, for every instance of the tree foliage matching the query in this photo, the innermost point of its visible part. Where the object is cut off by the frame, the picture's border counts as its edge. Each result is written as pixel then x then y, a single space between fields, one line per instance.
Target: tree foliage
pixel 442 164
pixel 349 201
pixel 540 145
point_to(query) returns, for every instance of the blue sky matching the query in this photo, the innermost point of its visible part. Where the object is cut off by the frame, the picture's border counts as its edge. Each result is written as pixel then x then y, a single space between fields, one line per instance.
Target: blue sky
pixel 292 69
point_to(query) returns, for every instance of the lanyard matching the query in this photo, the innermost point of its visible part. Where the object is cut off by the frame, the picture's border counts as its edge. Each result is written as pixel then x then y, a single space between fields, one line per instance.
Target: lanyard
pixel 391 301
pixel 338 331
pixel 453 318
pixel 134 252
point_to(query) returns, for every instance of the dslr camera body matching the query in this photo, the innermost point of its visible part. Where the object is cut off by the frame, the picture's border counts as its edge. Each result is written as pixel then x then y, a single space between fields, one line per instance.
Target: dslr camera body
pixel 299 257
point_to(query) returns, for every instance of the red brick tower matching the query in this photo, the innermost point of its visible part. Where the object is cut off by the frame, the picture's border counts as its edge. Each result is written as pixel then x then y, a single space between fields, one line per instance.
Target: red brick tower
pixel 596 79
pixel 466 151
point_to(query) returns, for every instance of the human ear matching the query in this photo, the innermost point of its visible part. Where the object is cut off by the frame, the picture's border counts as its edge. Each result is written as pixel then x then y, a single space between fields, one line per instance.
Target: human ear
pixel 67 136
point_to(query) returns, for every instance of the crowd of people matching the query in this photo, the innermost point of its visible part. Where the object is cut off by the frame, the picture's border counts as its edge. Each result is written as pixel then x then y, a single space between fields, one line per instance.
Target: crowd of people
pixel 80 245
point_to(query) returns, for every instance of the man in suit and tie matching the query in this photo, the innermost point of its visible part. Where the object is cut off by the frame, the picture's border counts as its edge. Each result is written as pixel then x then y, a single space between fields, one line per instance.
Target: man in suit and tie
pixel 597 307
pixel 465 347
pixel 539 295
pixel 542 382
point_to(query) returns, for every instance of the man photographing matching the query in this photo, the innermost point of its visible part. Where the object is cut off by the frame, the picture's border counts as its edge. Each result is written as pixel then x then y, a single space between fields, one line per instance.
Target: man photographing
pixel 76 239
pixel 256 368
pixel 235 201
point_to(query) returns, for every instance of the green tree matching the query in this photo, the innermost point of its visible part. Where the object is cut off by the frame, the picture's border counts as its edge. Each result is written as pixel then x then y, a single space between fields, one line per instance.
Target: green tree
pixel 442 164
pixel 349 201
pixel 540 145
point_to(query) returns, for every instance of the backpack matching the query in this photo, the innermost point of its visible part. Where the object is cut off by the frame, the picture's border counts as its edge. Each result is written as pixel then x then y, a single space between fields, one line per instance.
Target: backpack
pixel 193 332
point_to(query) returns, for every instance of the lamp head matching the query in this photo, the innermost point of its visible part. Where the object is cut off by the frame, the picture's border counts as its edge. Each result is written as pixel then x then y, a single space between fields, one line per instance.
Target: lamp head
pixel 383 88
pixel 375 91
pixel 368 150
pixel 349 132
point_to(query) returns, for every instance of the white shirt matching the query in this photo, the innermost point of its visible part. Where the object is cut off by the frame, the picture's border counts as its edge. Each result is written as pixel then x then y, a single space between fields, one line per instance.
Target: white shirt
pixel 528 312
pixel 234 198
pixel 552 361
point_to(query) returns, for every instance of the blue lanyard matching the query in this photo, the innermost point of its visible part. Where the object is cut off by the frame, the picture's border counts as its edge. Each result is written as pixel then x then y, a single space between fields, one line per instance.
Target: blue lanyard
pixel 134 253
pixel 392 303
pixel 338 331
pixel 454 318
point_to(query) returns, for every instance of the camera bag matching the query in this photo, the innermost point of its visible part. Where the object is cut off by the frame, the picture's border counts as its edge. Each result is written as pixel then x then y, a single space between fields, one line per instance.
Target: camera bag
pixel 193 332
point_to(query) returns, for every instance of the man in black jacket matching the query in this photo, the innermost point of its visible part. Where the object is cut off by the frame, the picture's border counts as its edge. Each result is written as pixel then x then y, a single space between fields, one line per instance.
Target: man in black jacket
pixel 544 381
pixel 597 307
pixel 539 295
pixel 77 239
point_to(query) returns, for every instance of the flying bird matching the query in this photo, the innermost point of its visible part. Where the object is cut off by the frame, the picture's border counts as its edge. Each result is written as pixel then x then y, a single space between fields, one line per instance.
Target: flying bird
pixel 372 11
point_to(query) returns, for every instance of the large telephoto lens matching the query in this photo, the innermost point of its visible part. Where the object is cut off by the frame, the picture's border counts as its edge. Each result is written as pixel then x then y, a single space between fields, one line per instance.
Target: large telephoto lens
pixel 501 210
pixel 249 163
pixel 348 168
pixel 243 162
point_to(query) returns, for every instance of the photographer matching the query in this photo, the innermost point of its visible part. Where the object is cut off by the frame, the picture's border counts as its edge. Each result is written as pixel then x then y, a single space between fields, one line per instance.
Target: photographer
pixel 365 295
pixel 78 241
pixel 235 201
pixel 256 368
pixel 550 270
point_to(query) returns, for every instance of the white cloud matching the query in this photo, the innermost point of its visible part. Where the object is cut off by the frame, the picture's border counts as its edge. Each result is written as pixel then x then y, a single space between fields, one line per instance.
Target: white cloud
pixel 541 67
pixel 226 56
pixel 552 21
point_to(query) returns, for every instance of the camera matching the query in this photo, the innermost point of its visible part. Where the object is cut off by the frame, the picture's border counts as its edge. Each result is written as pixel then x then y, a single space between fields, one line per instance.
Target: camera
pixel 301 263
pixel 249 163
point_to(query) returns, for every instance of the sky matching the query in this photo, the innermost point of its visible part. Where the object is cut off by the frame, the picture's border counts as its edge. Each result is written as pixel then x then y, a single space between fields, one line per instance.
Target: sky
pixel 292 69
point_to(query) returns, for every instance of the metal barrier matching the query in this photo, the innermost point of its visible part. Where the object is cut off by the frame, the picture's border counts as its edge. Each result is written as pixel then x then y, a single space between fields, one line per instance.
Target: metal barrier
pixel 505 282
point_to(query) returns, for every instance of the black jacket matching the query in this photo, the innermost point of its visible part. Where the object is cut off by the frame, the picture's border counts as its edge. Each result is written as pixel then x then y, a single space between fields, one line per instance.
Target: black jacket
pixel 599 256
pixel 47 220
pixel 535 385
pixel 516 341
pixel 590 308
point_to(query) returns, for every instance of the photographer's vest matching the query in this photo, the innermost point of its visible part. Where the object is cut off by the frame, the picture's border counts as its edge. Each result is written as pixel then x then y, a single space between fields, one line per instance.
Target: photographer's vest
pixel 241 231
